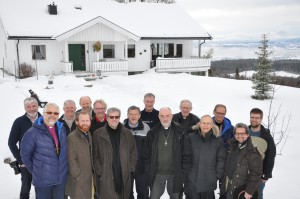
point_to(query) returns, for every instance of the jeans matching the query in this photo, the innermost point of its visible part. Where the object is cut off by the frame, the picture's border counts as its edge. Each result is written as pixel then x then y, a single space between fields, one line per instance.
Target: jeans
pixel 51 192
pixel 26 179
pixel 142 189
pixel 159 185
pixel 261 189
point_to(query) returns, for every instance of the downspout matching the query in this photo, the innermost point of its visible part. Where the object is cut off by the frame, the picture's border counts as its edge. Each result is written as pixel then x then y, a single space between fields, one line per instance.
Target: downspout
pixel 18 58
pixel 200 44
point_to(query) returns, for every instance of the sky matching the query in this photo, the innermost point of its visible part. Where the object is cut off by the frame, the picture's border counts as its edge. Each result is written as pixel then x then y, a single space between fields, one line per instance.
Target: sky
pixel 247 19
pixel 170 89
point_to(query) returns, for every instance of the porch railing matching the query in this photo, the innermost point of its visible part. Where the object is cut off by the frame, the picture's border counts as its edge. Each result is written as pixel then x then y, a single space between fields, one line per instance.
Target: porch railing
pixel 67 67
pixel 113 67
pixel 182 64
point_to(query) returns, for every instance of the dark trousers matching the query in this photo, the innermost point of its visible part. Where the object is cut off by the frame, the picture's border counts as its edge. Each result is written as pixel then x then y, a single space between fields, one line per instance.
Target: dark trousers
pixel 26 180
pixel 202 195
pixel 261 190
pixel 51 192
pixel 159 185
pixel 141 188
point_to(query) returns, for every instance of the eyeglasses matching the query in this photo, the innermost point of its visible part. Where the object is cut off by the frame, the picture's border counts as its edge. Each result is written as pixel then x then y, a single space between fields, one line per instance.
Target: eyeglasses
pixel 54 113
pixel 112 117
pixel 218 113
pixel 240 134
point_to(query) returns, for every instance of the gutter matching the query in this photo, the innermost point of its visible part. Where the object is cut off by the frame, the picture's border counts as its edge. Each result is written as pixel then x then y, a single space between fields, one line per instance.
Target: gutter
pixel 200 45
pixel 18 58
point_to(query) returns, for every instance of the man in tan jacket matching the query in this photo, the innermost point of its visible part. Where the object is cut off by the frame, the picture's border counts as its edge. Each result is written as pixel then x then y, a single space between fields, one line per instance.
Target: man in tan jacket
pixel 79 184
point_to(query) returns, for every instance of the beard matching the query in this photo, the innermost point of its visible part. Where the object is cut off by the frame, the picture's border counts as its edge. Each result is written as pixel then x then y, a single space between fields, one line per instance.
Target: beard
pixel 32 115
pixel 84 128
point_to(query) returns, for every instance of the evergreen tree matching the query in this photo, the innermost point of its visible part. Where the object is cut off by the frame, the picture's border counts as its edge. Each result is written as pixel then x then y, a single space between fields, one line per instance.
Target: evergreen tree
pixel 262 79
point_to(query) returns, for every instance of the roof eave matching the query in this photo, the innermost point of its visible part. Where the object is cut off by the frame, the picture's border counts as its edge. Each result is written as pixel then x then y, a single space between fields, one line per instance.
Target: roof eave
pixel 176 38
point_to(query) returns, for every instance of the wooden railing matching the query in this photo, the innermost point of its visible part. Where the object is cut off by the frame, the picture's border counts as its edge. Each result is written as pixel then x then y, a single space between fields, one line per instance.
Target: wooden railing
pixel 67 67
pixel 118 67
pixel 182 64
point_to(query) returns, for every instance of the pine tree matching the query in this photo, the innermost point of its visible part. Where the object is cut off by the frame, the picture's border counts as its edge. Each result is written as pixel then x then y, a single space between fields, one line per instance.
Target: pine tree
pixel 262 79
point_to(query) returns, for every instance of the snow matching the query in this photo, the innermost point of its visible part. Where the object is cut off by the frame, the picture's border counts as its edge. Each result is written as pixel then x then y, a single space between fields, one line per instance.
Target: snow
pixel 31 18
pixel 124 91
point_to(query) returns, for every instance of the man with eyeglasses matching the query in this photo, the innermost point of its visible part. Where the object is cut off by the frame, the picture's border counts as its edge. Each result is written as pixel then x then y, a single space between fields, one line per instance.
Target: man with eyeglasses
pixel 258 130
pixel 114 157
pixel 225 128
pixel 139 130
pixel 99 120
pixel 44 153
pixel 243 166
pixel 223 123
pixel 18 129
pixel 185 118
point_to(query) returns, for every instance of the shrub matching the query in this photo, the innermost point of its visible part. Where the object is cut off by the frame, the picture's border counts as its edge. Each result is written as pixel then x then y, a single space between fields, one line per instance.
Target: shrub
pixel 26 70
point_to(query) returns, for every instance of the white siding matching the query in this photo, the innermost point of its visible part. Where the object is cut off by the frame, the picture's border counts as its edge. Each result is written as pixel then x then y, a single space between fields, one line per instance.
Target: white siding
pixel 142 59
pixel 54 56
pixel 98 32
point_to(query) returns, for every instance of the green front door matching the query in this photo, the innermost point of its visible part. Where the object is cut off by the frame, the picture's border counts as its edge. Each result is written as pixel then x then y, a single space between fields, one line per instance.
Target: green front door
pixel 77 56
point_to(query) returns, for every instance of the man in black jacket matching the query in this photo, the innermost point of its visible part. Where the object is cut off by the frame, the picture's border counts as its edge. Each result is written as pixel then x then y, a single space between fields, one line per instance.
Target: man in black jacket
pixel 163 157
pixel 185 118
pixel 68 118
pixel 149 115
pixel 257 129
pixel 18 129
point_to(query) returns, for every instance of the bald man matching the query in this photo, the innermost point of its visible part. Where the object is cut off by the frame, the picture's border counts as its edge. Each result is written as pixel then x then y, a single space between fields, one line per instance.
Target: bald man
pixel 163 156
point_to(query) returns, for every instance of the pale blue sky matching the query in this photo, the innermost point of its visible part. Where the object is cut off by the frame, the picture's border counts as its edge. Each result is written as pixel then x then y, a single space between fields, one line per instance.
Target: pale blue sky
pixel 246 19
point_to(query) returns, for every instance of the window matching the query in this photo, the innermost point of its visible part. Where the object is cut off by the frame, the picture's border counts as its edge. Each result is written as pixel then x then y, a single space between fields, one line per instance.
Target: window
pixel 108 51
pixel 38 52
pixel 131 50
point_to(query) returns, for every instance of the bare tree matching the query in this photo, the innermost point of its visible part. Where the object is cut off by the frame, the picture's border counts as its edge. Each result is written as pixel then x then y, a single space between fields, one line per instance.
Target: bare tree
pixel 277 124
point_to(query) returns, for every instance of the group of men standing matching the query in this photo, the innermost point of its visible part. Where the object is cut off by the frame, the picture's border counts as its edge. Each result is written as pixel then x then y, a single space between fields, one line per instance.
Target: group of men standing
pixel 89 153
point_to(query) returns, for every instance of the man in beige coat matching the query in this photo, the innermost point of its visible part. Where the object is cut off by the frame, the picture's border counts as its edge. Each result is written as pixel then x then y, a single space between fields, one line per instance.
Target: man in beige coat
pixel 114 157
pixel 79 184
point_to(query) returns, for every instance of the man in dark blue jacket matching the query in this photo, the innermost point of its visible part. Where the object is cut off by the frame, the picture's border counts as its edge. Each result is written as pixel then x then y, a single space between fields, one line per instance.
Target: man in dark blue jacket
pixel 44 153
pixel 224 124
pixel 18 129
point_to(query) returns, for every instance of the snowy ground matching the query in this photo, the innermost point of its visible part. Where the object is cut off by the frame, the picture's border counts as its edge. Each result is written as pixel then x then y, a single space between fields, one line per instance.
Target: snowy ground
pixel 124 91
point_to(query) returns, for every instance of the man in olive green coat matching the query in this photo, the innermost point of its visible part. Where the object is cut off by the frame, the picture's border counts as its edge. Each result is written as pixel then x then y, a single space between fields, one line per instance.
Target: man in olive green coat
pixel 79 184
pixel 114 157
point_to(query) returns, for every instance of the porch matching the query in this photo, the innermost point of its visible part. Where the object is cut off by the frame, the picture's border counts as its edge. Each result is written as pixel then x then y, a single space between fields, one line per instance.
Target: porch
pixel 183 65
pixel 111 67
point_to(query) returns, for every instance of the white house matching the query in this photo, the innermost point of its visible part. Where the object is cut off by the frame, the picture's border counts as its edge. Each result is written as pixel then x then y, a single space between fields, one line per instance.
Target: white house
pixel 59 37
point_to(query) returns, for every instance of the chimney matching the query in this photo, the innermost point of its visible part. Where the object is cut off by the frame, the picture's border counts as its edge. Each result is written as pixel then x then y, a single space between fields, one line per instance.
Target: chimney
pixel 52 9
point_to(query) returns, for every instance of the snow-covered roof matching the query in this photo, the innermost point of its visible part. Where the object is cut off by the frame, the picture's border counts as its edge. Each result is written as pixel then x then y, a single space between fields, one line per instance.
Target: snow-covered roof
pixel 144 20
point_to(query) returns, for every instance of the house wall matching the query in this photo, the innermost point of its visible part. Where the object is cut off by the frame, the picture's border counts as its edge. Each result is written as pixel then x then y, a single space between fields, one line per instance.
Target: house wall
pixel 54 56
pixel 107 35
pixel 7 52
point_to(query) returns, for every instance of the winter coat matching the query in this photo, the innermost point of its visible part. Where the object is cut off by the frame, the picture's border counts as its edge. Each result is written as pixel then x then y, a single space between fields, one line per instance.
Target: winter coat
pixel 103 158
pixel 139 133
pixel 68 129
pixel 208 161
pixel 18 129
pixel 269 160
pixel 227 131
pixel 79 184
pixel 193 120
pixel 96 124
pixel 150 156
pixel 39 155
pixel 248 167
pixel 150 118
